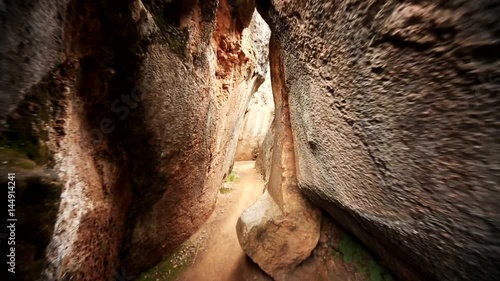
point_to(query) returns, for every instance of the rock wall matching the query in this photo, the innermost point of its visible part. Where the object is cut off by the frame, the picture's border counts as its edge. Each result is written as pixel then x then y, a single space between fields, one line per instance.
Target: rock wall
pixel 282 228
pixel 138 122
pixel 32 98
pixel 256 123
pixel 29 49
pixel 394 113
pixel 263 161
pixel 121 119
pixel 204 97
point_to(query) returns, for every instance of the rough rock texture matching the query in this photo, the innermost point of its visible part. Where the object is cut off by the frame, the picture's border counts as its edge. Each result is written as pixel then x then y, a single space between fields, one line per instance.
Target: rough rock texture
pixel 32 111
pixel 277 241
pixel 264 157
pixel 204 97
pixel 282 228
pixel 30 47
pixel 339 257
pixel 394 113
pixel 258 118
pixel 135 125
pixel 387 119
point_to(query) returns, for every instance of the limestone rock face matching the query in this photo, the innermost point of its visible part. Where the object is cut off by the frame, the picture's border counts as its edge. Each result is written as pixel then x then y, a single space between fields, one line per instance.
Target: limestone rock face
pixel 282 228
pixel 139 102
pixel 394 114
pixel 256 123
pixel 203 91
pixel 264 158
pixel 31 46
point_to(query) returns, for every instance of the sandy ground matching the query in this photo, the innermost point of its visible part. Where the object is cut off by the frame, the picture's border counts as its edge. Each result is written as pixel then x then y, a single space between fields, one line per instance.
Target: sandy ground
pixel 220 257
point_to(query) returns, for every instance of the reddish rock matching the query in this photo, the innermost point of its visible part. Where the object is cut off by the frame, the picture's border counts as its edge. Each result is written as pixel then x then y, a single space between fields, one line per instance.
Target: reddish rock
pixel 153 95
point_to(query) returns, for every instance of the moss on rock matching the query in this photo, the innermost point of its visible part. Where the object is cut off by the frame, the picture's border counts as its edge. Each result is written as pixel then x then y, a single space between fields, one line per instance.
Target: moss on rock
pixel 176 38
pixel 355 253
pixel 171 268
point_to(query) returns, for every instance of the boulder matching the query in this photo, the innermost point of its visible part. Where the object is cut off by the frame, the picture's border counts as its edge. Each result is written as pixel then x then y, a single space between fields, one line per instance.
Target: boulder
pixel 275 240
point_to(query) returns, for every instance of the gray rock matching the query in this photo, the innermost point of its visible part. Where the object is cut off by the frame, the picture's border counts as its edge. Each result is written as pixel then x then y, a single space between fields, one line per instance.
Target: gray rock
pixel 394 111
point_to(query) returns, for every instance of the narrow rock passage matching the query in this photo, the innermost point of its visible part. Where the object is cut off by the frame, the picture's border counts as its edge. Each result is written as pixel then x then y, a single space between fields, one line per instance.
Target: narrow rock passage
pixel 219 255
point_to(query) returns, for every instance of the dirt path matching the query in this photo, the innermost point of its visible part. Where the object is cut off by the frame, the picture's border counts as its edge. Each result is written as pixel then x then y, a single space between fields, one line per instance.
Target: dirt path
pixel 214 254
pixel 220 257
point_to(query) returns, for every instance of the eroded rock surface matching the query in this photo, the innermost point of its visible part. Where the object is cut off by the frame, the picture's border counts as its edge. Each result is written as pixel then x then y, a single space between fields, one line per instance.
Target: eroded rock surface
pixel 256 123
pixel 282 228
pixel 121 119
pixel 394 113
pixel 264 157
pixel 152 96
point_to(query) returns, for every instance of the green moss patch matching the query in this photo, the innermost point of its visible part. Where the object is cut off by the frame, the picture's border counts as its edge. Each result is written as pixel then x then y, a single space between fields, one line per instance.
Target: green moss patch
pixel 225 190
pixel 172 267
pixel 353 252
pixel 12 158
pixel 233 177
pixel 174 37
